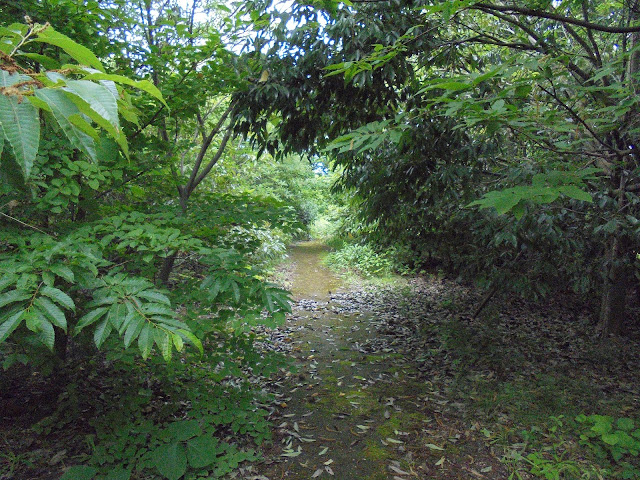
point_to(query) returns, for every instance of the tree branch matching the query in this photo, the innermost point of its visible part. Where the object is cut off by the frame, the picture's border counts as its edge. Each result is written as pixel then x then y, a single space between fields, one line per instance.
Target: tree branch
pixel 530 12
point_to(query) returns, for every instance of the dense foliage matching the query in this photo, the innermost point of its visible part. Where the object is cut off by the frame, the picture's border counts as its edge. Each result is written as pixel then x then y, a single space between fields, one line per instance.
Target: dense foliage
pixel 525 111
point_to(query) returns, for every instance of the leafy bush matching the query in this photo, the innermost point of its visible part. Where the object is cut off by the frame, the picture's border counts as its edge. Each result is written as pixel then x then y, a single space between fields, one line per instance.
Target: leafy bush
pixel 361 258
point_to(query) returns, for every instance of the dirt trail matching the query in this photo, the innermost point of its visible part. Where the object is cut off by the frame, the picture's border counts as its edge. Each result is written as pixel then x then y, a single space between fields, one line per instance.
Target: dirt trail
pixel 351 412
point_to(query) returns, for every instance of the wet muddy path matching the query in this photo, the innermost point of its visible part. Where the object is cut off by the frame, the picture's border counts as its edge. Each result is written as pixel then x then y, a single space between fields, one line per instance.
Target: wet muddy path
pixel 357 408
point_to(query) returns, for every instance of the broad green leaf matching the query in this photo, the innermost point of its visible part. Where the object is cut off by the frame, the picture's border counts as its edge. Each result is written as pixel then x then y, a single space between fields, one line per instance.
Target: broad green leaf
pixel 98 97
pixel 63 271
pixel 21 127
pixel 114 132
pixel 63 110
pixel 573 191
pixel 170 460
pixel 133 329
pixel 117 314
pixel 144 85
pixel 59 297
pixel 55 314
pixel 46 334
pixel 81 124
pixel 202 451
pixel 164 342
pixel 118 473
pixel 177 341
pixel 9 79
pixel 154 296
pixel 191 338
pixel 13 296
pixel 90 318
pixel 47 62
pixel 79 472
pixel 33 318
pixel 102 332
pixel 184 430
pixel 10 324
pixel 76 51
pixel 145 340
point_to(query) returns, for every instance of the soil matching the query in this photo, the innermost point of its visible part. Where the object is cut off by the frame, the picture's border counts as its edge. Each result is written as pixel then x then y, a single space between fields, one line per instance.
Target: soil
pixel 400 382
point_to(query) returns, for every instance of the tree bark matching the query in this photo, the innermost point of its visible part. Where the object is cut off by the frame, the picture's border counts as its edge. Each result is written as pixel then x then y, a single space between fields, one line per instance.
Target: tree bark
pixel 614 291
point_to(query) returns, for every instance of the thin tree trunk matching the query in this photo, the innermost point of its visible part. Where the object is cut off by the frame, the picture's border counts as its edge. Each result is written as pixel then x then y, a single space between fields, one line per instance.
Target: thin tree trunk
pixel 614 292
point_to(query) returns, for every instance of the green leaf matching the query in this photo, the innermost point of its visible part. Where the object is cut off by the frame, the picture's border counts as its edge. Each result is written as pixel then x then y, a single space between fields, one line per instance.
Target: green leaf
pixel 626 424
pixel 144 85
pixel 103 330
pixel 184 430
pixel 118 473
pixel 63 110
pixel 53 312
pixel 47 62
pixel 191 338
pixel 10 324
pixel 98 97
pixel 164 343
pixel 170 460
pixel 114 132
pixel 202 451
pixel 47 335
pixel 133 329
pixel 154 296
pixel 76 51
pixel 59 297
pixel 79 472
pixel 21 127
pixel 90 318
pixel 63 271
pixel 13 296
pixel 117 314
pixel 572 191
pixel 145 340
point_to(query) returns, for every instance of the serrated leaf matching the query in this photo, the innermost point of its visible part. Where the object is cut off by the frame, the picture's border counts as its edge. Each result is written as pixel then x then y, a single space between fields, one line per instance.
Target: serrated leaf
pixel 63 110
pixel 13 296
pixel 102 332
pixel 202 451
pixel 63 271
pixel 53 312
pixel 117 314
pixel 46 335
pixel 162 339
pixel 154 296
pixel 105 124
pixel 191 338
pixel 170 460
pixel 177 341
pixel 145 340
pixel 20 125
pixel 10 324
pixel 98 97
pixel 144 85
pixel 76 51
pixel 133 329
pixel 33 318
pixel 47 62
pixel 59 297
pixel 90 318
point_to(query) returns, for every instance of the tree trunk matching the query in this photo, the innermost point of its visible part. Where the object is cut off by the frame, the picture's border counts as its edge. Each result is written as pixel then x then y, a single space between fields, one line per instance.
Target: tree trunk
pixel 614 291
pixel 168 262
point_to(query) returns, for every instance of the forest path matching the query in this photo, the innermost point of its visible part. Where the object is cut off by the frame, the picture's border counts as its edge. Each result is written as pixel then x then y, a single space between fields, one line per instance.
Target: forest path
pixel 357 408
